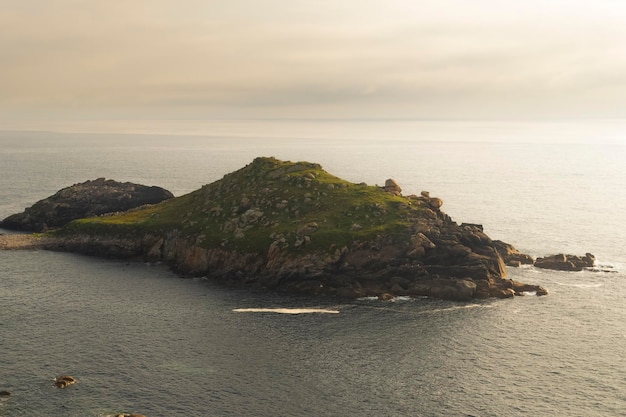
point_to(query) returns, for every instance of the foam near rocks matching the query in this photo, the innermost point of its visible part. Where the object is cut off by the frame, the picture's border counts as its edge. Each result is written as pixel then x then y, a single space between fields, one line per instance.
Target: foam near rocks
pixel 286 310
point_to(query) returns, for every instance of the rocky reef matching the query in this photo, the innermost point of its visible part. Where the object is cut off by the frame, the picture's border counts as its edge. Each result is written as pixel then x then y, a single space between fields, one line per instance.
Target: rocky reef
pixel 291 226
pixel 562 262
pixel 90 198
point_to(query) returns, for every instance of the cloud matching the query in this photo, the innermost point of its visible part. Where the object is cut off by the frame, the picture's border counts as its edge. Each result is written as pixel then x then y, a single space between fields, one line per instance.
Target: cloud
pixel 442 58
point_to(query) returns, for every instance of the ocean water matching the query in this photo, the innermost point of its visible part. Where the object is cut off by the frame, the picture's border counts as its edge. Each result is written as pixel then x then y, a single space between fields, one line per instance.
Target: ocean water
pixel 140 339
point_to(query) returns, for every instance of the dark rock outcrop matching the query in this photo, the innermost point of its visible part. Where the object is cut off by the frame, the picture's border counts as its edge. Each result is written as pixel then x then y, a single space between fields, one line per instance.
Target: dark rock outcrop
pixel 562 262
pixel 88 199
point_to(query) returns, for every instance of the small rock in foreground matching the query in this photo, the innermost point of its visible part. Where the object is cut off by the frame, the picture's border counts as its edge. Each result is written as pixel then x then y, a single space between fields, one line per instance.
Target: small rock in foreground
pixel 64 381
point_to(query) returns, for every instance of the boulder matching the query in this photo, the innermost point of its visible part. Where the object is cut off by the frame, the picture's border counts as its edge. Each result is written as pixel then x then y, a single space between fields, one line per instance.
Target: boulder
pixel 386 296
pixel 563 262
pixel 521 288
pixel 87 199
pixel 64 381
pixel 392 186
pixel 435 203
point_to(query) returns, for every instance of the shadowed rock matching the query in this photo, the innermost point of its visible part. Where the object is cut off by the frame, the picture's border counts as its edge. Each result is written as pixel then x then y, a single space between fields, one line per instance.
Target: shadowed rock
pixel 88 199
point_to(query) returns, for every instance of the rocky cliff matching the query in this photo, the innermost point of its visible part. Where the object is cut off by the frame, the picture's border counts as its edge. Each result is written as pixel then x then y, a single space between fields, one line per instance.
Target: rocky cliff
pixel 294 227
pixel 91 198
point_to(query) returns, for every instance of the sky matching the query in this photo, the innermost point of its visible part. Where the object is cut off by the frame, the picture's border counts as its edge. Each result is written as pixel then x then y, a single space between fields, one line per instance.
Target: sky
pixel 67 60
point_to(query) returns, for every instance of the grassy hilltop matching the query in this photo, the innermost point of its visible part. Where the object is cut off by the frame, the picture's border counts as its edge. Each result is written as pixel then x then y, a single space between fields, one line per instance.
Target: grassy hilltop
pixel 248 209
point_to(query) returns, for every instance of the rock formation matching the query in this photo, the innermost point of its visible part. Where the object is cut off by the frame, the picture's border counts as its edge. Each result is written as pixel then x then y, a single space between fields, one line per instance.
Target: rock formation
pixel 511 256
pixel 91 198
pixel 392 186
pixel 64 381
pixel 562 262
pixel 294 227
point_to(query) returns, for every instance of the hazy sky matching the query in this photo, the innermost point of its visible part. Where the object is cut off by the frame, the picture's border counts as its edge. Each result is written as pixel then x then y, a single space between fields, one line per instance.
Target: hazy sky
pixel 203 59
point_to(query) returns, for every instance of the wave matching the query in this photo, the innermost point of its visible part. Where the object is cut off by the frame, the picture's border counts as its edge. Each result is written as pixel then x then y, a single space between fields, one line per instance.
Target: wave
pixel 462 307
pixel 581 285
pixel 394 299
pixel 286 310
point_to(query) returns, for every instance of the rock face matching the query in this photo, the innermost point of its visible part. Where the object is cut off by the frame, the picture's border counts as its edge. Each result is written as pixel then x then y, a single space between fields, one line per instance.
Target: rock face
pixel 562 262
pixel 91 198
pixel 293 227
pixel 511 256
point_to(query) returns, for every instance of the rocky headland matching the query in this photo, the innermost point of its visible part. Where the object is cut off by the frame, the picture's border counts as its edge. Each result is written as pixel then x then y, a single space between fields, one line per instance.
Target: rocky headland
pixel 291 226
pixel 87 199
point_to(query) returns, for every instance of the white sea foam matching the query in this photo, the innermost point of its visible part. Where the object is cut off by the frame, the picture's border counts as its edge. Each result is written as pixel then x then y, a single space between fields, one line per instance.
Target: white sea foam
pixel 286 310
pixel 460 307
pixel 394 299
pixel 581 285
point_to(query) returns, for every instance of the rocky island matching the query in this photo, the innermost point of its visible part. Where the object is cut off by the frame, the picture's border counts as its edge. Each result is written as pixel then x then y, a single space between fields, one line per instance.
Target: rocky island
pixel 291 226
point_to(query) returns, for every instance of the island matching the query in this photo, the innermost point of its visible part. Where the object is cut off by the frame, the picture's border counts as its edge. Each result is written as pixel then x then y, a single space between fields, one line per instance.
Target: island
pixel 292 226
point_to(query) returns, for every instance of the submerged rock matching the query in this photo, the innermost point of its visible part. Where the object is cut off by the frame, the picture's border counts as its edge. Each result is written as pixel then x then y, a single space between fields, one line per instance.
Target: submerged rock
pixel 392 186
pixel 90 198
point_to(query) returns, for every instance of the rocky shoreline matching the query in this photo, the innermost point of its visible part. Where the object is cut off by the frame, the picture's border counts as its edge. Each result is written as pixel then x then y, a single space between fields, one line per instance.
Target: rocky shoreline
pixel 22 242
pixel 293 227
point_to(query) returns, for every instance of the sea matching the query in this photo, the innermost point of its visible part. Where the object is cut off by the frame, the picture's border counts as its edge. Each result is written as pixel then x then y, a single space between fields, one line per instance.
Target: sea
pixel 139 338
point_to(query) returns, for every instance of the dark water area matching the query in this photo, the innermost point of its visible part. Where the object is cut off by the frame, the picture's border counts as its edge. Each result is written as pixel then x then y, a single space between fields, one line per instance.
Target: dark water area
pixel 140 339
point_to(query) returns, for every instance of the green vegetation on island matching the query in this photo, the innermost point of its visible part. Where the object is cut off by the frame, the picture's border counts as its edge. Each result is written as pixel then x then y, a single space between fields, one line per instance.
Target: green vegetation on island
pixel 247 209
